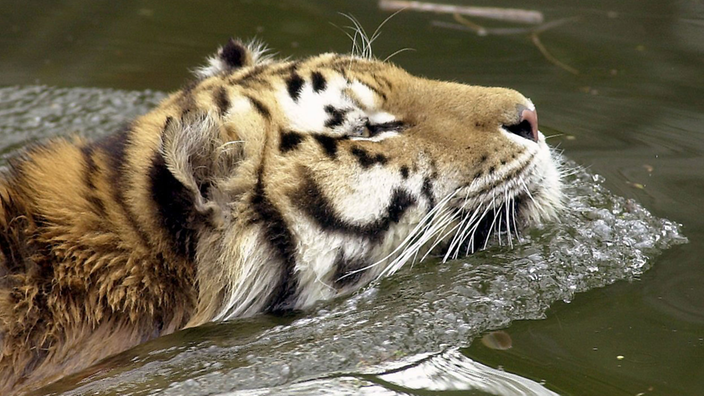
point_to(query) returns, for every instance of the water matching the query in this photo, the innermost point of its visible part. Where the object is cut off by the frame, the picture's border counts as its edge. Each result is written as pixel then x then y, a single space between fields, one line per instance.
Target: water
pixel 633 115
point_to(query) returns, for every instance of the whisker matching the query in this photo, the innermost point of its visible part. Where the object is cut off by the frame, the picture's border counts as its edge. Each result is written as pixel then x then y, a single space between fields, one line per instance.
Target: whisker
pixel 417 234
pixel 439 222
pixel 554 136
pixel 377 31
pixel 414 250
pixel 464 232
pixel 499 222
pixel 458 235
pixel 491 228
pixel 509 211
pixel 364 38
pixel 474 230
pixel 540 208
pixel 346 34
pixel 398 52
pixel 515 226
pixel 439 239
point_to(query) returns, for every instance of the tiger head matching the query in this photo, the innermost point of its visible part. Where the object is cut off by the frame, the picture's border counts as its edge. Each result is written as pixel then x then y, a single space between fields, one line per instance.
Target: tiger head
pixel 319 175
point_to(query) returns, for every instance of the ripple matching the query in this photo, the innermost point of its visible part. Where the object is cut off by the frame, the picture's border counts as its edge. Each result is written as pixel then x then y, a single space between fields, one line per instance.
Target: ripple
pixel 451 371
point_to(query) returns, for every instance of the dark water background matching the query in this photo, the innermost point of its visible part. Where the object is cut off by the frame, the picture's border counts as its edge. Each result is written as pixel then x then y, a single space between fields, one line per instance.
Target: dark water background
pixel 634 115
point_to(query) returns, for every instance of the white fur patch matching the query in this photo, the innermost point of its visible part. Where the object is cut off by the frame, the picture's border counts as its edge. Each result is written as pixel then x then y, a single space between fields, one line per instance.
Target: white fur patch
pixel 319 251
pixel 240 105
pixel 381 117
pixel 366 96
pixel 308 113
pixel 377 138
pixel 369 197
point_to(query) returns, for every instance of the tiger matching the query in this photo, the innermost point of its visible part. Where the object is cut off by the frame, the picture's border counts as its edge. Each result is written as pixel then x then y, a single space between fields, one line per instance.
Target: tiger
pixel 263 186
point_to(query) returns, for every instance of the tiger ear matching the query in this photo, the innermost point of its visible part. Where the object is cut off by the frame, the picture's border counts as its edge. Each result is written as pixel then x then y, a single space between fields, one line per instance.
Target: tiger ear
pixel 196 154
pixel 234 55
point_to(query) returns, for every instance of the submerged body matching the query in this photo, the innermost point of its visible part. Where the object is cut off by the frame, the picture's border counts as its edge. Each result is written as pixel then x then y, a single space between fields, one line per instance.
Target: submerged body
pixel 264 186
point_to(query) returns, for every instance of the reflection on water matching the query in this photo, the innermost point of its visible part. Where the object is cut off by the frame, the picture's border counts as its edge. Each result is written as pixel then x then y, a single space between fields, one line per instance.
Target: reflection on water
pixel 446 372
pixel 453 371
pixel 499 340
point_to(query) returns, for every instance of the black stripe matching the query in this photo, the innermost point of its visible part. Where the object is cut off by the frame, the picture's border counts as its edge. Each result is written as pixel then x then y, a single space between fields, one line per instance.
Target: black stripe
pixel 381 80
pixel 391 126
pixel 114 148
pixel 337 116
pixel 328 144
pixel 256 84
pixel 260 107
pixel 294 84
pixel 18 243
pixel 366 160
pixel 404 172
pixel 91 169
pixel 221 100
pixel 175 205
pixel 97 204
pixel 25 253
pixel 311 200
pixel 427 191
pixel 280 239
pixel 186 100
pixel 319 82
pixel 289 141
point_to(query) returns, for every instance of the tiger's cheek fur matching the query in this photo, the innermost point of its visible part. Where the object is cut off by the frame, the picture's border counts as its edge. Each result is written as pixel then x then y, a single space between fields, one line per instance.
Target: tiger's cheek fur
pixel 332 207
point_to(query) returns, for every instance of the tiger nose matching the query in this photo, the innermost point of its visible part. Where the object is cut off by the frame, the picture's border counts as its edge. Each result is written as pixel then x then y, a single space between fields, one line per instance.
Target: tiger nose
pixel 532 117
pixel 527 126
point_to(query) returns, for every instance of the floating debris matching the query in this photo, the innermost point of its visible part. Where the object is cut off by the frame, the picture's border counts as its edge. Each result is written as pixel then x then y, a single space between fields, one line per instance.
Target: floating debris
pixel 499 14
pixel 499 340
pixel 636 185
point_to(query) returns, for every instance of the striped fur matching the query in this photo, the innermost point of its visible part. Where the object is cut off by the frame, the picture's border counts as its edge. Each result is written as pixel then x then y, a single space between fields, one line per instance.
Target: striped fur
pixel 263 186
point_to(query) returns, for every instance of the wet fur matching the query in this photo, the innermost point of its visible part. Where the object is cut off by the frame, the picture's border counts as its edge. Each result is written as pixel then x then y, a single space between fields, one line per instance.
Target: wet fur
pixel 263 186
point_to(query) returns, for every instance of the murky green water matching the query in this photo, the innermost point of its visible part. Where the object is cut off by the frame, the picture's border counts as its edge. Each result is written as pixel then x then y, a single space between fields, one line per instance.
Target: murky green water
pixel 634 115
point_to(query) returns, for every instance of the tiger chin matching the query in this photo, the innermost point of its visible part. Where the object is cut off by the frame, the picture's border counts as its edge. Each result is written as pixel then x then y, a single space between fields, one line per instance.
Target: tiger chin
pixel 261 187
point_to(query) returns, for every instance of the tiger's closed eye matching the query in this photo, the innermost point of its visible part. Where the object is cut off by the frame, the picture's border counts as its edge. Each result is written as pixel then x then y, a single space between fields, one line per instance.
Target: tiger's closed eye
pixel 370 130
